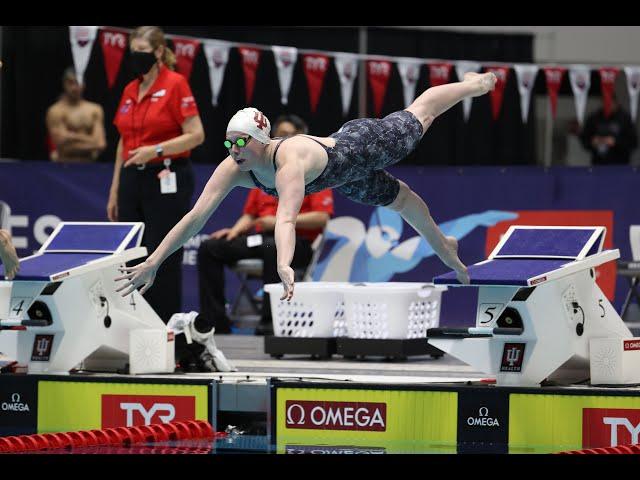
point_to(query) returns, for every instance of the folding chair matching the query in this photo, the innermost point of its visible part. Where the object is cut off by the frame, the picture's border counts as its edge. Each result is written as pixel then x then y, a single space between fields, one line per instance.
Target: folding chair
pixel 245 305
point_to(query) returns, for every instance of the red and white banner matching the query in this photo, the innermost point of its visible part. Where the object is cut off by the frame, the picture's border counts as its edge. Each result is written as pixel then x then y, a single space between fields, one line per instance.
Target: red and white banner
pixel 315 69
pixel 526 75
pixel 82 38
pixel 217 53
pixel 553 76
pixel 114 44
pixel 409 70
pixel 497 94
pixel 250 61
pixel 347 68
pixel 580 76
pixel 379 72
pixel 186 51
pixel 608 77
pixel 501 73
pixel 439 73
pixel 633 86
pixel 285 61
pixel 462 67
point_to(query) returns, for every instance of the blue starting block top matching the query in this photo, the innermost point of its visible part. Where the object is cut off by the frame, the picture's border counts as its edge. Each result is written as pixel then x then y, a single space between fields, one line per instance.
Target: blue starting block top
pixel 74 244
pixel 93 237
pixel 41 267
pixel 526 254
pixel 515 272
pixel 550 243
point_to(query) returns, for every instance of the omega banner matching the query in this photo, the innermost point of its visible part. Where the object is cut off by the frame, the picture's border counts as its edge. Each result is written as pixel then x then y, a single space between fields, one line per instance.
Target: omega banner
pixel 572 422
pixel 364 420
pixel 67 406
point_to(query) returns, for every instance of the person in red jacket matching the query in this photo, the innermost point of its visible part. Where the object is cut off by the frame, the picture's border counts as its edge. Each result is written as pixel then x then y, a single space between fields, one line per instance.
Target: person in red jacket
pixel 153 180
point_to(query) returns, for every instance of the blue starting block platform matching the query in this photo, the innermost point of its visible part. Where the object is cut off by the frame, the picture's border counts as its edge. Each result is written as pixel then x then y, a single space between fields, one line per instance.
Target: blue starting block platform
pixel 538 306
pixel 528 256
pixel 65 297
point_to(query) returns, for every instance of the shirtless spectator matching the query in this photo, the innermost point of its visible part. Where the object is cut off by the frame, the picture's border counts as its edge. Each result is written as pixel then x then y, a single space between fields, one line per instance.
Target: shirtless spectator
pixel 75 126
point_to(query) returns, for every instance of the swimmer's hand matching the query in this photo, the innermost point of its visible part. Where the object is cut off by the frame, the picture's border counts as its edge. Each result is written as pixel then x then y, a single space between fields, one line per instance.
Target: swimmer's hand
pixel 287 277
pixel 141 275
pixel 8 256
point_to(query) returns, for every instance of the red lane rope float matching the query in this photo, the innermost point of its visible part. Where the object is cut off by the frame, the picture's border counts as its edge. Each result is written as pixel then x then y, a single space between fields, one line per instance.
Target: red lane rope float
pixel 115 437
pixel 619 449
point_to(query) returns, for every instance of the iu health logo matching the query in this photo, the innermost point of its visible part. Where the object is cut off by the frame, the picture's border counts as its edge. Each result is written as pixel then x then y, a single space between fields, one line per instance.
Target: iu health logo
pixel 42 348
pixel 512 357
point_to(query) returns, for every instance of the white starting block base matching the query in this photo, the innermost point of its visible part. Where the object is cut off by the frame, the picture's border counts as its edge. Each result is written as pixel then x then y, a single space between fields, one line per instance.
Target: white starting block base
pixel 73 317
pixel 615 361
pixel 536 321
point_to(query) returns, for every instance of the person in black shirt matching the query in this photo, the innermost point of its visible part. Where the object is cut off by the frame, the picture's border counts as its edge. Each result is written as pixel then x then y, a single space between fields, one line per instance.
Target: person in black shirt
pixel 610 139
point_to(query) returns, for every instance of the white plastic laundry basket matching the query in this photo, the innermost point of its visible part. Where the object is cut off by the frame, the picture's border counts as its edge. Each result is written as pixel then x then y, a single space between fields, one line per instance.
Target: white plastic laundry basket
pixel 392 310
pixel 316 310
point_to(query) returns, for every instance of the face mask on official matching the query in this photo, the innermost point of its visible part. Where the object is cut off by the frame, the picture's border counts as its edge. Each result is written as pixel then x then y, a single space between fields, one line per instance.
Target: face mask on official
pixel 142 62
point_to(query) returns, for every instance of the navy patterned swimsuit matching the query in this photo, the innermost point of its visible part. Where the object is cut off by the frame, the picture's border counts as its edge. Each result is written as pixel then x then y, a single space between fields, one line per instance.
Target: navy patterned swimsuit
pixel 364 147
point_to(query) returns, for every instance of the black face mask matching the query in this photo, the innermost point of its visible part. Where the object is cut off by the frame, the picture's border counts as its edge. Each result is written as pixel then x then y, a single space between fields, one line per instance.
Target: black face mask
pixel 141 62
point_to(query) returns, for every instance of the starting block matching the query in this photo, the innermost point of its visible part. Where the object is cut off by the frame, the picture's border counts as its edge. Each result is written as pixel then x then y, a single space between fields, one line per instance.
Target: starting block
pixel 61 311
pixel 538 307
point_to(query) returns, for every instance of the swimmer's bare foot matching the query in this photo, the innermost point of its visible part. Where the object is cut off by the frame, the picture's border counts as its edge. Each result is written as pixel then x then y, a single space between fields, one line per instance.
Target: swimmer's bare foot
pixel 484 82
pixel 454 262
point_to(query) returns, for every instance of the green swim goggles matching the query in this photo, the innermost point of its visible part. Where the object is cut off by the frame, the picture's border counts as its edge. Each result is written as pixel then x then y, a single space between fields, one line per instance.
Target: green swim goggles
pixel 240 142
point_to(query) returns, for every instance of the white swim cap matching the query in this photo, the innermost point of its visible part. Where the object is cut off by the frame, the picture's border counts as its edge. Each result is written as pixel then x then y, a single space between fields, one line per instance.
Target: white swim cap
pixel 252 122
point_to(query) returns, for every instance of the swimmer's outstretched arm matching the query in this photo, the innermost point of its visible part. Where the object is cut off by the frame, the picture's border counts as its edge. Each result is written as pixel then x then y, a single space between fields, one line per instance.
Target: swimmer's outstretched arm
pixel 416 213
pixel 8 256
pixel 224 178
pixel 290 186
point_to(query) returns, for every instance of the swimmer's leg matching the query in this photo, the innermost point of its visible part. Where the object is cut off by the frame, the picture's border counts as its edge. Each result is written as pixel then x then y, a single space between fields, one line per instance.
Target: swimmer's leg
pixel 436 100
pixel 416 213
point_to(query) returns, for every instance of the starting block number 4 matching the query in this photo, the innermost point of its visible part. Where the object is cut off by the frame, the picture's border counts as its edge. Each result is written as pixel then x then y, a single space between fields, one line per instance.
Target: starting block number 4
pixel 18 307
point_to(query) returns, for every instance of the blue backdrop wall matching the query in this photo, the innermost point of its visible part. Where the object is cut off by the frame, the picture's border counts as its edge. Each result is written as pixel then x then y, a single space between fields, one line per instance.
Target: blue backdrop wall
pixel 467 202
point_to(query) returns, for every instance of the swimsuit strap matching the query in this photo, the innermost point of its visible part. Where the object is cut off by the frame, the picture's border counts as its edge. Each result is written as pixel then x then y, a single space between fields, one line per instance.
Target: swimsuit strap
pixel 275 150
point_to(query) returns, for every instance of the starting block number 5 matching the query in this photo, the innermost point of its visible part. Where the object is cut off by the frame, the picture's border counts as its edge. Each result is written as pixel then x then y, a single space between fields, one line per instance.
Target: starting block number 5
pixel 488 313
pixel 18 307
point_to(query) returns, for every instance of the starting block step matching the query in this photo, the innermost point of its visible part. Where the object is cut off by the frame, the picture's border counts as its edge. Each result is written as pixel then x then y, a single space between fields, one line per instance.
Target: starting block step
pixel 394 348
pixel 317 347
pixel 478 332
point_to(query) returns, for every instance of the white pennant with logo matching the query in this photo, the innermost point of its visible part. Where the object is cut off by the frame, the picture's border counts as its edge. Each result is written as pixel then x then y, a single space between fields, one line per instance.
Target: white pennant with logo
pixel 347 68
pixel 285 61
pixel 580 76
pixel 526 74
pixel 409 70
pixel 217 54
pixel 462 67
pixel 633 85
pixel 82 38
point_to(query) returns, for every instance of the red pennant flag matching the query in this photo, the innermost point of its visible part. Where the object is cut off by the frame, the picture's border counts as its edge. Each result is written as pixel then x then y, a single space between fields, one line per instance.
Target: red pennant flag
pixel 497 94
pixel 608 77
pixel 379 73
pixel 250 60
pixel 439 73
pixel 315 68
pixel 186 51
pixel 114 44
pixel 553 75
